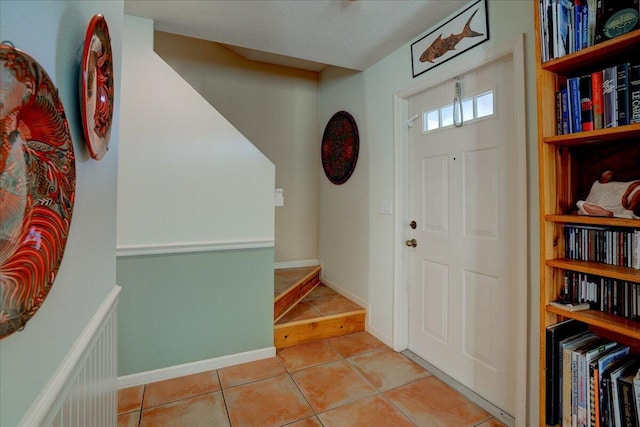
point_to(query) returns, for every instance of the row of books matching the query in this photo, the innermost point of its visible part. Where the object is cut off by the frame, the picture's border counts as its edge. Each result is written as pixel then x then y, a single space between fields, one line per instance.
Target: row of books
pixel 603 99
pixel 603 244
pixel 590 381
pixel 582 291
pixel 567 26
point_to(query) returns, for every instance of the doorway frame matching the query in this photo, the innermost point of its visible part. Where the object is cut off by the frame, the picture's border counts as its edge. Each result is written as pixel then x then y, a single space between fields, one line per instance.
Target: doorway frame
pixel 400 339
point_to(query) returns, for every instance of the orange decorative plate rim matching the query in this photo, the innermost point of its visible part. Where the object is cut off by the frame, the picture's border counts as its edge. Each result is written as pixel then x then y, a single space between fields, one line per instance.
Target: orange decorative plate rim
pixel 96 87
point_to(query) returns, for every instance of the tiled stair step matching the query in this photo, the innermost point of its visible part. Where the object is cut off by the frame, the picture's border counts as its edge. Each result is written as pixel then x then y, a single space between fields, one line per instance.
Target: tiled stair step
pixel 292 285
pixel 323 313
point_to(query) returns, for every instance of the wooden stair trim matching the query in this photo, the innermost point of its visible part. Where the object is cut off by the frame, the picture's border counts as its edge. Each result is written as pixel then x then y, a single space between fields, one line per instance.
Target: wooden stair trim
pixel 314 272
pixel 308 283
pixel 303 331
pixel 320 318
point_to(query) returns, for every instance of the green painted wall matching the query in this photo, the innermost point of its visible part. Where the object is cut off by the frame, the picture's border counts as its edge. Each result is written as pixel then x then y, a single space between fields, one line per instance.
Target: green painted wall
pixel 182 308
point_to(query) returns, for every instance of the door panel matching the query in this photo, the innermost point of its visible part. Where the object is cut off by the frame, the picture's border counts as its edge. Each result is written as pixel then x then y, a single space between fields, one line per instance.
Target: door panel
pixel 461 292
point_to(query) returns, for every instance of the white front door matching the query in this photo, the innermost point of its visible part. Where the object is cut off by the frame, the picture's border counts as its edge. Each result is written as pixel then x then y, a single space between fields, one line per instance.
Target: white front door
pixel 462 286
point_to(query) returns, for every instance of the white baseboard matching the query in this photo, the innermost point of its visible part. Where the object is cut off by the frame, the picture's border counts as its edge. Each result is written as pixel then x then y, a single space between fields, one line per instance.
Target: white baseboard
pixel 345 293
pixel 194 367
pixel 372 330
pixel 378 334
pixel 296 264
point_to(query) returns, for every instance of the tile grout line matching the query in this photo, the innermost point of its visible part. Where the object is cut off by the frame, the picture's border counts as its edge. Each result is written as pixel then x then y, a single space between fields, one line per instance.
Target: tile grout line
pixel 224 398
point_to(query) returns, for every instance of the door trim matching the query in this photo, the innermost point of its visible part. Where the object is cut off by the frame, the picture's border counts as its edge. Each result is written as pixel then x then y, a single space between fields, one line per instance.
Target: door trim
pixel 515 50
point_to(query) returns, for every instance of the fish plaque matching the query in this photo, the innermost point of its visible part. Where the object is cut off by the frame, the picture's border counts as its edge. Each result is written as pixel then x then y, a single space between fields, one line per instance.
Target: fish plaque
pixel 451 37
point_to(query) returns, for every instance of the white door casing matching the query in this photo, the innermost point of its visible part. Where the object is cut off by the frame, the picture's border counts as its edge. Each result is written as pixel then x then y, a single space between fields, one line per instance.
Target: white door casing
pixel 460 184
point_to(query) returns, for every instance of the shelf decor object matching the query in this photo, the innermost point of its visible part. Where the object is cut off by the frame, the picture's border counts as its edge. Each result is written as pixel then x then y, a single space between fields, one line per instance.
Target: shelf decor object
pixel 340 145
pixel 37 186
pixel 96 87
pixel 451 37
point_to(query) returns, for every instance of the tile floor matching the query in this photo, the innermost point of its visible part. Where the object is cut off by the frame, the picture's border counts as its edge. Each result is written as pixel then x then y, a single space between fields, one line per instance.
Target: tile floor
pixel 353 380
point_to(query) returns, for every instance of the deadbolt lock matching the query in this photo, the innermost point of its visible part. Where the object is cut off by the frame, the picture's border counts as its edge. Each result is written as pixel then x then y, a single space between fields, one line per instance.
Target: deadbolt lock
pixel 413 225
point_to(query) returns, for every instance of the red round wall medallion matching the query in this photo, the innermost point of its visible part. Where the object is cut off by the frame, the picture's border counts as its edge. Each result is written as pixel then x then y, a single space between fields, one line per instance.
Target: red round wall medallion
pixel 37 186
pixel 96 87
pixel 340 145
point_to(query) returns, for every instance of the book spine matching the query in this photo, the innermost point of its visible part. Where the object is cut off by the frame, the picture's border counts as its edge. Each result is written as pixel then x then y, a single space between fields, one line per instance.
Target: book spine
pixel 574 99
pixel 559 113
pixel 623 93
pixel 627 403
pixel 586 103
pixel 634 93
pixel 596 96
pixel 610 97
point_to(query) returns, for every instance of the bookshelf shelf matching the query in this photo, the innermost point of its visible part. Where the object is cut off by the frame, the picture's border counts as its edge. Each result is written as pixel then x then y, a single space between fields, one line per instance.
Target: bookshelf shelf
pixel 605 321
pixel 593 220
pixel 598 269
pixel 594 55
pixel 628 132
pixel 568 165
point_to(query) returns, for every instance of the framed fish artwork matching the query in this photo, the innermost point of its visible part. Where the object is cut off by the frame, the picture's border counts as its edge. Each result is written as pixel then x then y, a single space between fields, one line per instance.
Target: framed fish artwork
pixel 450 38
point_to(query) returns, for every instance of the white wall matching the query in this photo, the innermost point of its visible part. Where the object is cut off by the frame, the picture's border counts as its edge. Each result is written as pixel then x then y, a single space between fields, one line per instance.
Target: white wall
pixel 186 175
pixel 356 243
pixel 52 32
pixel 276 108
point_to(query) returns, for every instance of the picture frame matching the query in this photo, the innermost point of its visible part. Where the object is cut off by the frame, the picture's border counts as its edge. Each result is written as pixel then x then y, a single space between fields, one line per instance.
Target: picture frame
pixel 449 38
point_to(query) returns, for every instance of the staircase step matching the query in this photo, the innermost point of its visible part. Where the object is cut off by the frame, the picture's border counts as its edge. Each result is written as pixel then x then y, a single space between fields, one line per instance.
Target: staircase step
pixel 323 313
pixel 291 286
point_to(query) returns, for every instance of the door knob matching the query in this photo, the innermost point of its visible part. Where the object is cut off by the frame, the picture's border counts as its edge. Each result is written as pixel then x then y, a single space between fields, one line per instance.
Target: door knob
pixel 411 243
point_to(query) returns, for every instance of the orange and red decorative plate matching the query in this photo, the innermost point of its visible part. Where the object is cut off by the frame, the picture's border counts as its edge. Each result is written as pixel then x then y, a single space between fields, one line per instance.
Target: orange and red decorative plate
pixel 340 145
pixel 37 186
pixel 96 87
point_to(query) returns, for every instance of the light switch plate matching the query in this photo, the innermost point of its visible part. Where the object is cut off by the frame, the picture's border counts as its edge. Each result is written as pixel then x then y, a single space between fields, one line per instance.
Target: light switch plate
pixel 385 207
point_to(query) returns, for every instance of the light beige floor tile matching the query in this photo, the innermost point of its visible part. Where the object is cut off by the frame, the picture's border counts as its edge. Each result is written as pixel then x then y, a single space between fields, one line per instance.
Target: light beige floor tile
pixel 130 399
pixel 130 419
pixel 371 412
pixel 307 355
pixel 430 402
pixel 307 422
pixel 206 410
pixel 162 392
pixel 267 403
pixel 251 371
pixel 330 385
pixel 302 311
pixel 334 305
pixel 352 344
pixel 386 369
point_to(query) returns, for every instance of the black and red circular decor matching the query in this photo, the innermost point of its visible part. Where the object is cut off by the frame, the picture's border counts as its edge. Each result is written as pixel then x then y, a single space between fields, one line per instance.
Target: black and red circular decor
pixel 340 144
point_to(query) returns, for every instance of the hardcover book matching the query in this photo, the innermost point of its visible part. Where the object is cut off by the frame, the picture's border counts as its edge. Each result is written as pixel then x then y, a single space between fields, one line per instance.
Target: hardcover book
pixel 596 97
pixel 586 103
pixel 634 94
pixel 610 97
pixel 573 85
pixel 555 334
pixel 623 93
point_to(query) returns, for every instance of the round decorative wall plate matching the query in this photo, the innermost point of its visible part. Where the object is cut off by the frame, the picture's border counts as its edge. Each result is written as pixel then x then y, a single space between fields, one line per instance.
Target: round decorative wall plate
pixel 37 186
pixel 340 145
pixel 96 87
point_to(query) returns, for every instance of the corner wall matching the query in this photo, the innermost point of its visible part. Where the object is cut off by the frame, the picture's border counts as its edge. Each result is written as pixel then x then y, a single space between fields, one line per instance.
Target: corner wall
pixel 52 32
pixel 195 222
pixel 276 108
pixel 356 242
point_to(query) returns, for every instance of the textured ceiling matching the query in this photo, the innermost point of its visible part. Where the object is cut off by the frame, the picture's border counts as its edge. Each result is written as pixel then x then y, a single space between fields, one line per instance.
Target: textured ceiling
pixel 307 34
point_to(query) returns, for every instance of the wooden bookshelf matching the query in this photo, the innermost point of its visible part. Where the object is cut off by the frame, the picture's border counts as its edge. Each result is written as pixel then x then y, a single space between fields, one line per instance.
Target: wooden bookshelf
pixel 568 165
